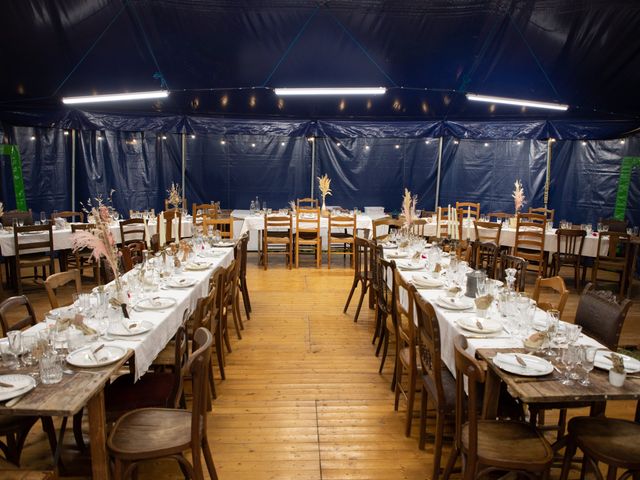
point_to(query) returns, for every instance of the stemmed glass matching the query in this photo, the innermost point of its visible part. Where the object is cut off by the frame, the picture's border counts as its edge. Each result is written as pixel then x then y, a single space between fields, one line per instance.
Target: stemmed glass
pixel 553 320
pixel 481 291
pixel 587 359
pixel 15 344
pixel 43 218
pixel 567 359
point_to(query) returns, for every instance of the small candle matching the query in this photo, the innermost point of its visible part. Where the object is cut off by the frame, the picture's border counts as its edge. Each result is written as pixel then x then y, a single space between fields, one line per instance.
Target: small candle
pixel 162 231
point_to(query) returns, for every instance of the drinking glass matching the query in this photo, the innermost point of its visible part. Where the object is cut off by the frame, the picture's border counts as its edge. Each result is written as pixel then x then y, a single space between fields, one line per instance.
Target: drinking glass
pixel 553 320
pixel 29 344
pixel 566 363
pixel 599 227
pixel 572 332
pixel 587 358
pixel 15 343
pixel 9 359
pixel 21 222
pixel 43 218
pixel 588 228
pixel 50 368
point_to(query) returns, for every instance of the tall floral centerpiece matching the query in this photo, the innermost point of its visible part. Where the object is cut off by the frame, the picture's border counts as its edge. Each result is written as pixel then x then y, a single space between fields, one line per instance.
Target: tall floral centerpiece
pixel 174 196
pixel 518 198
pixel 101 242
pixel 324 183
pixel 409 208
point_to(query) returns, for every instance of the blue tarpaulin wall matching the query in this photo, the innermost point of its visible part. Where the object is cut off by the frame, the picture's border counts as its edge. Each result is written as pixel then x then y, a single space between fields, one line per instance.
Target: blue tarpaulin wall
pixel 370 163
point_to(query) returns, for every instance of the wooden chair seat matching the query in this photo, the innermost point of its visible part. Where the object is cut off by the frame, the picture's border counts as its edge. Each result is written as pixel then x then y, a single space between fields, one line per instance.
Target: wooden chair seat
pixel 27 474
pixel 171 433
pixel 34 260
pixel 509 445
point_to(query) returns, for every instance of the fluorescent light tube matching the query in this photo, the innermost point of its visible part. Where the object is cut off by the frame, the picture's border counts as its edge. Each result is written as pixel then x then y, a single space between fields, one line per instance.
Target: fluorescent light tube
pixel 116 97
pixel 516 101
pixel 332 91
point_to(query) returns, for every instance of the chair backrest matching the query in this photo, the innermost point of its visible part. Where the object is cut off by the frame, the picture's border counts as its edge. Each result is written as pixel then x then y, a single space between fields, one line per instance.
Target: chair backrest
pixel 555 283
pixel 547 212
pixel 167 205
pixel 488 231
pixel 242 245
pixel 485 255
pixel 343 223
pixel 384 277
pixel 11 308
pixel 428 339
pixel 468 405
pixel 132 230
pixel 406 336
pixel 279 223
pixel 601 316
pixel 8 217
pixel 362 257
pixel 530 236
pixel 169 216
pixel 32 244
pixel 131 254
pixel 520 264
pixel 59 279
pixel 500 216
pixel 619 247
pixel 392 223
pixel 223 224
pixel 198 366
pixel 307 220
pixel 442 228
pixel 614 224
pixel 469 209
pixel 201 209
pixel 68 215
pixel 569 241
pixel 417 227
pixel 306 202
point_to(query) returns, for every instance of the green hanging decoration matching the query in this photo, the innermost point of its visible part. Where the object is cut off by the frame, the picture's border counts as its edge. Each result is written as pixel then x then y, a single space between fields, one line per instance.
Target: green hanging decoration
pixel 16 172
pixel 628 163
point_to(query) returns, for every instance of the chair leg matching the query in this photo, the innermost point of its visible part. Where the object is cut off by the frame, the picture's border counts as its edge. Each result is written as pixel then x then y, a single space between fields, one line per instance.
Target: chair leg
pixel 411 395
pixel 206 453
pixel 437 448
pixel 220 352
pixel 353 289
pixel 398 379
pixel 385 349
pixel 422 434
pixel 365 287
pixel 453 457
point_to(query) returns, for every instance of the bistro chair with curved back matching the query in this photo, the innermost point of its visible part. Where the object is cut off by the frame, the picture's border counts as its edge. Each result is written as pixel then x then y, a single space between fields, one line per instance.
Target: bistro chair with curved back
pixel 611 441
pixel 485 256
pixel 161 389
pixel 488 231
pixel 306 202
pixel 491 445
pixel 615 260
pixel 132 254
pixel 529 241
pixel 224 224
pixel 61 279
pixel 569 244
pixel 308 237
pixel 385 308
pixel 341 237
pixel 547 212
pixel 152 433
pixel 277 233
pixel 230 303
pixel 10 215
pixel 391 224
pixel 7 314
pixel 83 258
pixel 406 359
pixel 520 264
pixel 615 225
pixel 69 216
pixel 362 273
pixel 560 289
pixel 438 384
pixel 132 230
pixel 33 246
pixel 244 290
pixel 469 209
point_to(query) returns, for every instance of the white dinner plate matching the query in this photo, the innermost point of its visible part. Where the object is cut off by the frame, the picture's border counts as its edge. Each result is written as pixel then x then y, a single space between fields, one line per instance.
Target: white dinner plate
pixel 181 282
pixel 535 367
pixel 155 303
pixel 631 365
pixel 132 328
pixel 107 355
pixel 195 266
pixel 211 253
pixel 473 324
pixel 21 385
pixel 455 303
pixel 426 281
pixel 225 243
pixel 410 265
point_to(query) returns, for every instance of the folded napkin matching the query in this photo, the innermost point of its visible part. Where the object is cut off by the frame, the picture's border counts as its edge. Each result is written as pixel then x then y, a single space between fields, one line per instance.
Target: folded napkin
pixel 77 321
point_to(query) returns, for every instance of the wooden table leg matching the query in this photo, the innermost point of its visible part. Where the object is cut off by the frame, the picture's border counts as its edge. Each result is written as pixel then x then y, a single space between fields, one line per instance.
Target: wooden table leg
pixel 491 395
pixel 97 436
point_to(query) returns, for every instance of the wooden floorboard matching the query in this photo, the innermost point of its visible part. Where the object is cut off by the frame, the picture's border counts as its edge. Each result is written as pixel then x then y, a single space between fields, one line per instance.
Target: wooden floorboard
pixel 303 398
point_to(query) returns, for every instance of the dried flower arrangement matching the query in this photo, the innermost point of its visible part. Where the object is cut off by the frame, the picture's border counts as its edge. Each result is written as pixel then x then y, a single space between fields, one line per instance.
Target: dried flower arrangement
pixel 175 195
pixel 324 184
pixel 409 207
pixel 518 196
pixel 90 209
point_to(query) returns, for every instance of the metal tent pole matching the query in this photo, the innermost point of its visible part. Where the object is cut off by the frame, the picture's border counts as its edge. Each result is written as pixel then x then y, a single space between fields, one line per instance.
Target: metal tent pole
pixel 184 168
pixel 73 169
pixel 440 141
pixel 548 174
pixel 313 163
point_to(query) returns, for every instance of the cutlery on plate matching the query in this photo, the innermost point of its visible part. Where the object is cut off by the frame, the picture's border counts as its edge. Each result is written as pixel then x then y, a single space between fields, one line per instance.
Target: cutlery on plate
pixel 6 385
pixel 520 360
pixel 479 325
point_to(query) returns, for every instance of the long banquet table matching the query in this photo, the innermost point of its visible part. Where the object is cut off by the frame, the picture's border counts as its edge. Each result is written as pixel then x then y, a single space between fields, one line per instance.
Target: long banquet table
pixel 85 386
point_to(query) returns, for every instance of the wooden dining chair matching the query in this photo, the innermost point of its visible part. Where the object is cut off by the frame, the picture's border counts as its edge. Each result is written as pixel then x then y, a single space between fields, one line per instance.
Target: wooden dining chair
pixel 615 260
pixel 149 434
pixel 488 231
pixel 83 258
pixel 520 264
pixel 183 204
pixel 529 241
pixel 69 216
pixel 9 216
pixel 548 213
pixel 438 384
pixel 308 237
pixel 224 224
pixel 200 210
pixel 611 441
pixel 277 238
pixel 341 237
pixel 485 256
pixel 11 308
pixel 132 254
pixel 57 280
pixel 442 226
pixel 489 446
pixel 469 209
pixel 569 244
pixel 306 202
pixel 615 225
pixel 244 289
pixel 362 273
pixel 406 360
pixel 385 309
pixel 132 230
pixel 560 289
pixel 391 224
pixel 417 227
pixel 33 247
pixel 500 216
pixel 230 301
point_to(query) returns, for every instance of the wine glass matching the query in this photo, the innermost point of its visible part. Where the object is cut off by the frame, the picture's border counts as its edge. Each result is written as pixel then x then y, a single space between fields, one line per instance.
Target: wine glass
pixel 587 359
pixel 15 344
pixel 553 320
pixel 43 218
pixel 566 363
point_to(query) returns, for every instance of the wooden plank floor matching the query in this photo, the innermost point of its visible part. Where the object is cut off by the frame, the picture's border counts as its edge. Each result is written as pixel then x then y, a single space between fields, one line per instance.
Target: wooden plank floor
pixel 303 398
